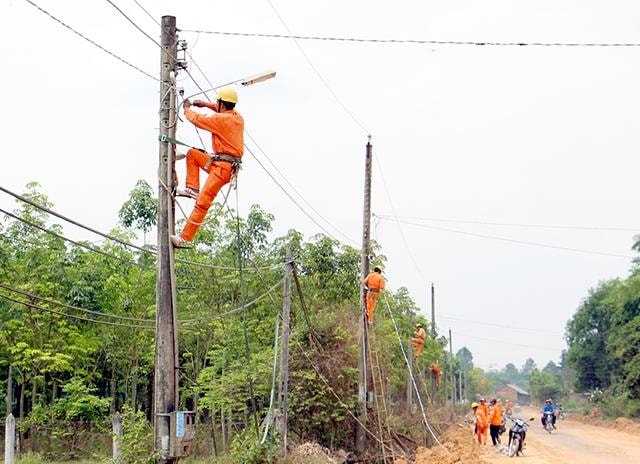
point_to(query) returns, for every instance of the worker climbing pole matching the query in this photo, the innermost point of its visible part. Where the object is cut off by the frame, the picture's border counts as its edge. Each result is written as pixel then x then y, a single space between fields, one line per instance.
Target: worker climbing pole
pixel 226 126
pixel 418 340
pixel 374 284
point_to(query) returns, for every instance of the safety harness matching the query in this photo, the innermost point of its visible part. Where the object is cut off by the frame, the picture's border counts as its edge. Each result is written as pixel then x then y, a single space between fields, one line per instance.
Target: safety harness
pixel 235 161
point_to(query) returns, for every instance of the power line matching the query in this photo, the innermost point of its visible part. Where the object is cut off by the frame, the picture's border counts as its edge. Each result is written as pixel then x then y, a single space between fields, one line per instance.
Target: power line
pixel 80 244
pixel 298 193
pixel 491 324
pixel 510 240
pixel 80 318
pixel 92 42
pixel 324 81
pixel 134 24
pixel 512 224
pixel 419 41
pixel 111 237
pixel 500 342
pixel 75 308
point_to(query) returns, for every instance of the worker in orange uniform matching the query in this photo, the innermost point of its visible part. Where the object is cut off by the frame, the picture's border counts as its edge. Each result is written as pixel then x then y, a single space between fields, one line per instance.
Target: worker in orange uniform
pixel 227 131
pixel 481 423
pixel 495 421
pixel 374 284
pixel 484 407
pixel 418 340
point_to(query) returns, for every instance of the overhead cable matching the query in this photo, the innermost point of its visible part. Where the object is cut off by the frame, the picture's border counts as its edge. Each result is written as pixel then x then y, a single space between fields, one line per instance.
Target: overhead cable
pixel 491 324
pixel 324 81
pixel 92 42
pixel 478 43
pixel 111 237
pixel 511 224
pixel 511 240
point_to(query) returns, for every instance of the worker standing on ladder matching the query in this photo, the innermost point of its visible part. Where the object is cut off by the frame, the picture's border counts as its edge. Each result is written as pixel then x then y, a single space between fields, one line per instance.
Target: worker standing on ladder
pixel 418 340
pixel 227 131
pixel 374 284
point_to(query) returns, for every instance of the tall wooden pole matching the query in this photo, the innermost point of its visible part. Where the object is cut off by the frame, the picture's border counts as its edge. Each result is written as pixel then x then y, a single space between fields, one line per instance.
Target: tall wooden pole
pixel 166 363
pixel 283 386
pixel 362 327
pixel 453 378
pixel 434 378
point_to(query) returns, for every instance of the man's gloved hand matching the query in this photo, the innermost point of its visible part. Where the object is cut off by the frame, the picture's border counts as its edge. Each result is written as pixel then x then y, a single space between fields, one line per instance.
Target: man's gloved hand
pixel 187 104
pixel 199 104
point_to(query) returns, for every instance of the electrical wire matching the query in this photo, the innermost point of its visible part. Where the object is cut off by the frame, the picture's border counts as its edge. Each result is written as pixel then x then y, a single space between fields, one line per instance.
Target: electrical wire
pixel 92 42
pixel 413 379
pixel 500 326
pixel 75 308
pixel 500 342
pixel 324 81
pixel 511 224
pixel 135 25
pixel 80 318
pixel 419 41
pixel 510 240
pixel 110 237
pixel 80 244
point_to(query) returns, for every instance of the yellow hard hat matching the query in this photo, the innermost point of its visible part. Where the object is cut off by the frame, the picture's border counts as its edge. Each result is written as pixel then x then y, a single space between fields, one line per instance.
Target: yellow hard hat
pixel 474 405
pixel 228 94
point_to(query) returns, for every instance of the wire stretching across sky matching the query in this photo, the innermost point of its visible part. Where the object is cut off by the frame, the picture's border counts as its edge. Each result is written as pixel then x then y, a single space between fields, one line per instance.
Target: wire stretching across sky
pixel 476 43
pixel 510 240
pixel 324 81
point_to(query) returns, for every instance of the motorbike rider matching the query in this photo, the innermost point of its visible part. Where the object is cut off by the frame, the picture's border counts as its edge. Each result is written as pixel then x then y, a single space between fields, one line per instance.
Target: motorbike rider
pixel 549 407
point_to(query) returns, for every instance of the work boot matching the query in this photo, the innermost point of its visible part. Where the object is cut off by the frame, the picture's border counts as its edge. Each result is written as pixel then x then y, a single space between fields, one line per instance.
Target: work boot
pixel 177 241
pixel 188 192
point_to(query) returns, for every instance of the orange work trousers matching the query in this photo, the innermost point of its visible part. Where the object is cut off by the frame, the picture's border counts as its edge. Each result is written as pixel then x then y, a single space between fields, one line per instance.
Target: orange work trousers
pixel 220 174
pixel 417 343
pixel 482 433
pixel 372 298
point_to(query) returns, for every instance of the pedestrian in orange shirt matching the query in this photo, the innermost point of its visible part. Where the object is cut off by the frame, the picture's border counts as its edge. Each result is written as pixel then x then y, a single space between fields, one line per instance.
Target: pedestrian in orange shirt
pixel 483 406
pixel 227 131
pixel 374 284
pixel 495 421
pixel 418 340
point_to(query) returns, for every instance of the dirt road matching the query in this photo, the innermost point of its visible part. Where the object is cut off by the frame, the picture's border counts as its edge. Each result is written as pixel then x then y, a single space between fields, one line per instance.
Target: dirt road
pixel 573 443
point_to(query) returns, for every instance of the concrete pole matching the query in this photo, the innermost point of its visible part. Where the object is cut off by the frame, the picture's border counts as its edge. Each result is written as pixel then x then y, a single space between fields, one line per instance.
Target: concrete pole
pixel 9 439
pixel 453 378
pixel 283 386
pixel 165 385
pixel 409 379
pixel 362 327
pixel 117 438
pixel 10 390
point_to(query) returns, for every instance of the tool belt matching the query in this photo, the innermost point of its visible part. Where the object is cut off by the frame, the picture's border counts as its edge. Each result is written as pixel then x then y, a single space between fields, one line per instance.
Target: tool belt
pixel 373 290
pixel 235 161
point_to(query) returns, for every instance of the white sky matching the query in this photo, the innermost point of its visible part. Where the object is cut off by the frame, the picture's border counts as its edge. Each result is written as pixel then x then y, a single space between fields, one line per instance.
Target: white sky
pixel 495 134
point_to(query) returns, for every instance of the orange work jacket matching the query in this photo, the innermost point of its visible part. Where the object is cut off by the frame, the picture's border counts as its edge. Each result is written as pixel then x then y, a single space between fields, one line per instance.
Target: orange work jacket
pixel 374 280
pixel 495 416
pixel 421 334
pixel 227 130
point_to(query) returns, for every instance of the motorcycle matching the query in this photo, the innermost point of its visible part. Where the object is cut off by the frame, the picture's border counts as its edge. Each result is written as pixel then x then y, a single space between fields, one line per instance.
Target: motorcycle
pixel 517 434
pixel 548 421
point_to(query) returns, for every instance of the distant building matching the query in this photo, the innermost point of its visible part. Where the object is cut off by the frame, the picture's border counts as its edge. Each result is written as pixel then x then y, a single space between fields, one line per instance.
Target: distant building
pixel 514 393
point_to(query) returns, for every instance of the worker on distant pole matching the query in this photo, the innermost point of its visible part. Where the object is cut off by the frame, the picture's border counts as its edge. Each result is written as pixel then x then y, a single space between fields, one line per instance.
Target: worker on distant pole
pixel 418 340
pixel 227 130
pixel 374 284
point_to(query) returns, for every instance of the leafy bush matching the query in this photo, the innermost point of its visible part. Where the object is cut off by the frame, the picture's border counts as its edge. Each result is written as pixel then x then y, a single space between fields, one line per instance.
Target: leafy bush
pixel 246 448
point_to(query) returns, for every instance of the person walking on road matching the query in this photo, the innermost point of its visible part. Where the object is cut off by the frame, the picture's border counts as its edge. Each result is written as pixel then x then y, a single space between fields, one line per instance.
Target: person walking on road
pixel 227 131
pixel 374 284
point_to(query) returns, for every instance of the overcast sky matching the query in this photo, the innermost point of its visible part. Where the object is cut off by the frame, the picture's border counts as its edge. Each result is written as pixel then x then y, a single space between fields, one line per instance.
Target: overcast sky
pixel 510 135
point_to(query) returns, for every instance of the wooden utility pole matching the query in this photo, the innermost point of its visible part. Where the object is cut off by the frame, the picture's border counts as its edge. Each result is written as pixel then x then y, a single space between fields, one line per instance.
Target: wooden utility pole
pixel 166 362
pixel 362 327
pixel 453 378
pixel 434 378
pixel 283 386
